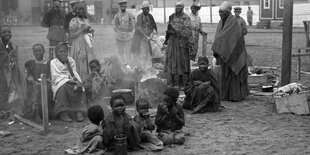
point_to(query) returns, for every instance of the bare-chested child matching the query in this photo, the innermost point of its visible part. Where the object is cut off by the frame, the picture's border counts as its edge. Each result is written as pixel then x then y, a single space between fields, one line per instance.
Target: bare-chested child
pixel 149 141
pixel 170 119
pixel 119 122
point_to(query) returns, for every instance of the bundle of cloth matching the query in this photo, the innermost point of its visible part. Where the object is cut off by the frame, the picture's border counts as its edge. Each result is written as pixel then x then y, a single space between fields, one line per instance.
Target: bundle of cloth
pixel 157 44
pixel 292 88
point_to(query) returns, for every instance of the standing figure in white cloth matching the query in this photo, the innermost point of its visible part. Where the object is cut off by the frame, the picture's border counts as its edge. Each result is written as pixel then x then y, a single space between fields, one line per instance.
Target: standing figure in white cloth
pixel 123 27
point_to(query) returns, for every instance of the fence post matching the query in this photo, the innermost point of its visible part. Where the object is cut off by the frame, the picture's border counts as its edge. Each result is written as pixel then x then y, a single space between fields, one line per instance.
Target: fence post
pixel 298 65
pixel 44 102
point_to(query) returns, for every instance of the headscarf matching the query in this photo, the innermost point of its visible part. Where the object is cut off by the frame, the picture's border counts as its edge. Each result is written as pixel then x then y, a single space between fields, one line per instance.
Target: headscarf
pixel 145 4
pixel 225 6
pixel 179 3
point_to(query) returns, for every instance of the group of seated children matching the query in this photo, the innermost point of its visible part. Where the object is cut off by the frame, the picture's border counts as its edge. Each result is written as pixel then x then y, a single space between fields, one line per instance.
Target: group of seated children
pixel 100 134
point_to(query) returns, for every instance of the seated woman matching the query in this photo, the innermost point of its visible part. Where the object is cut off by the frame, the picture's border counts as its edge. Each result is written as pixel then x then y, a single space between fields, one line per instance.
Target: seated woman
pixel 34 68
pixel 202 90
pixel 67 86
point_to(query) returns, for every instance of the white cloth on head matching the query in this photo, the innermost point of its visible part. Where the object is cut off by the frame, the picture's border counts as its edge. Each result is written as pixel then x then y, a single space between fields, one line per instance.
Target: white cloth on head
pixel 179 3
pixel 145 4
pixel 225 6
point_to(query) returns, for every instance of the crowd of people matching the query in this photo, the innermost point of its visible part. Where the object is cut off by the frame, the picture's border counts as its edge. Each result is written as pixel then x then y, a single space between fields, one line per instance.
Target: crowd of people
pixel 74 79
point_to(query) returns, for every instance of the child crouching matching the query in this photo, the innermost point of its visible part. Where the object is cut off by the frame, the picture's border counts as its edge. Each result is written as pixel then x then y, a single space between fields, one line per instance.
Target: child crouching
pixel 148 140
pixel 91 138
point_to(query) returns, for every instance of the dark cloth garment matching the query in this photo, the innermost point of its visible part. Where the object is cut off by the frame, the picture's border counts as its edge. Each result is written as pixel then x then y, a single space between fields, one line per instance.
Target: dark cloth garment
pixel 168 122
pixel 54 19
pixel 205 96
pixel 11 81
pixel 229 50
pixel 52 44
pixel 145 25
pixel 121 125
pixel 33 100
pixel 178 36
pixel 68 18
pixel 67 99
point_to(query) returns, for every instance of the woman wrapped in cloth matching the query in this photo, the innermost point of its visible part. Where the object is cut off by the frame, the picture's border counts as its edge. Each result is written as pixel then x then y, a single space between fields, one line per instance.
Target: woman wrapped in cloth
pixel 178 43
pixel 67 86
pixel 202 90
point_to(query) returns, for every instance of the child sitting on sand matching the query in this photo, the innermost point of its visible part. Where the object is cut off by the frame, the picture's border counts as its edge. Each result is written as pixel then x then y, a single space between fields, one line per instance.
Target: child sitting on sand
pixel 119 122
pixel 148 140
pixel 91 138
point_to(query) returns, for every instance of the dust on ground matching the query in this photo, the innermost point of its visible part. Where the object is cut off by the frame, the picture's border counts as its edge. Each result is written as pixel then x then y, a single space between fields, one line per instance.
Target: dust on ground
pixel 248 127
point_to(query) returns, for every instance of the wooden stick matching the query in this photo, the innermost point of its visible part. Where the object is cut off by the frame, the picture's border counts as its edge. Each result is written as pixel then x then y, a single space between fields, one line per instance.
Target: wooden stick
pixel 305 72
pixel 25 121
pixel 300 54
pixel 204 43
pixel 44 102
pixel 298 66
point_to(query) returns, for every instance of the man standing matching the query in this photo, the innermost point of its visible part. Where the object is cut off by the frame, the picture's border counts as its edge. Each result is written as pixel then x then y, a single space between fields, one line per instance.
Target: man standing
pixel 141 45
pixel 229 50
pixel 69 16
pixel 196 28
pixel 54 21
pixel 123 27
pixel 250 16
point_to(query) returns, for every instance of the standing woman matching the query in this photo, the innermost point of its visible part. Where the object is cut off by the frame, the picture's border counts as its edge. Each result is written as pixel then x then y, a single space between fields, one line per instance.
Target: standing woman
pixel 178 45
pixel 10 76
pixel 81 35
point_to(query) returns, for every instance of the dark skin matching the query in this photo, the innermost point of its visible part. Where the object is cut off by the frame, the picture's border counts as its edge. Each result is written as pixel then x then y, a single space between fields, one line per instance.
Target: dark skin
pixel 203 67
pixel 194 10
pixel 62 56
pixel 94 67
pixel 179 9
pixel 5 34
pixel 38 53
pixel 118 107
pixel 146 10
pixel 224 14
pixel 168 109
pixel 123 7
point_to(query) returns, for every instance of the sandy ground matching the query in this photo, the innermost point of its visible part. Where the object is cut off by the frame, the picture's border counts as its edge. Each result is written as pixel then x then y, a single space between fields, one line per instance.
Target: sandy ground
pixel 248 127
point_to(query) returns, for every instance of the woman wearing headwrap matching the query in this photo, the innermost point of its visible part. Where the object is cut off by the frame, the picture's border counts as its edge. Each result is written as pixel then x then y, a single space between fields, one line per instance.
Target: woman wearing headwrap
pixel 178 44
pixel 196 28
pixel 202 90
pixel 81 35
pixel 141 45
pixel 67 87
pixel 229 50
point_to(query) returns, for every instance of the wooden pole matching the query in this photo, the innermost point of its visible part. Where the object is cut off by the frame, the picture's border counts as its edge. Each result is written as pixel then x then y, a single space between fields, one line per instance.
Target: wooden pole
pixel 111 15
pixel 35 125
pixel 204 43
pixel 44 102
pixel 164 11
pixel 211 11
pixel 298 66
pixel 287 42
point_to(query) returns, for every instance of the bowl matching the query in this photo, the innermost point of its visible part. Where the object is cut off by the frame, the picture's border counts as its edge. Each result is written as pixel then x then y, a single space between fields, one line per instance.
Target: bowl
pixel 267 88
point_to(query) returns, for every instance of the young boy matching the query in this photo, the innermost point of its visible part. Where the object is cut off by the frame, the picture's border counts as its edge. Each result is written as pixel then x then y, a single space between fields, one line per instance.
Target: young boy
pixel 119 122
pixel 149 140
pixel 170 118
pixel 34 68
pixel 91 138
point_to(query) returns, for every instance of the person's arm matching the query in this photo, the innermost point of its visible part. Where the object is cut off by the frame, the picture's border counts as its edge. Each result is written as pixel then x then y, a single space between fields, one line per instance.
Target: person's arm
pixel 87 136
pixel 161 116
pixel 139 26
pixel 46 20
pixel 131 22
pixel 179 117
pixel 244 27
pixel 149 125
pixel 116 23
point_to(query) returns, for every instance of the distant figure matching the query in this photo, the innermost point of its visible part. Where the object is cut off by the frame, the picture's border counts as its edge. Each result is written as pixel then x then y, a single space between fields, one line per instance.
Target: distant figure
pixel 123 27
pixel 178 45
pixel 68 18
pixel 34 68
pixel 67 87
pixel 11 79
pixel 196 27
pixel 244 28
pixel 229 50
pixel 54 20
pixel 170 119
pixel 141 45
pixel 202 91
pixel 81 35
pixel 241 21
pixel 250 14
